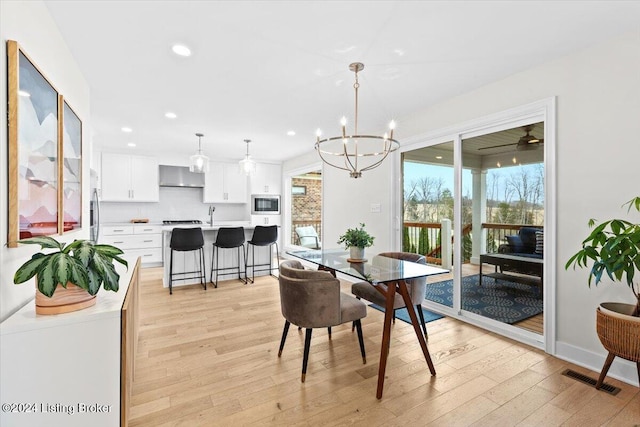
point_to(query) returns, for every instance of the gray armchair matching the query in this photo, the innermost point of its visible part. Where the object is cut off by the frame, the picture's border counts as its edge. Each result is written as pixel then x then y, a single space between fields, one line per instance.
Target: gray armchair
pixel 416 288
pixel 312 299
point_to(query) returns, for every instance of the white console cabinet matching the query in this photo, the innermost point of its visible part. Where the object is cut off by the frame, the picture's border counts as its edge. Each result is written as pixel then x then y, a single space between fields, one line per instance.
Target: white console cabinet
pixel 73 369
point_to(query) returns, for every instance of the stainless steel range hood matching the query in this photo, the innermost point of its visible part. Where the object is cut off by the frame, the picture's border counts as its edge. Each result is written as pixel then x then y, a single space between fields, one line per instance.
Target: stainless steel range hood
pixel 180 176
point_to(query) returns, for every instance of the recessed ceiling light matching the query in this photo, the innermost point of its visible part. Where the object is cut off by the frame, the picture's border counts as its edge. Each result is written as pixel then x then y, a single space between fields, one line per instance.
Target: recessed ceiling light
pixel 181 50
pixel 131 144
pixel 170 115
pixel 24 93
pixel 291 133
pixel 127 129
pixel 439 157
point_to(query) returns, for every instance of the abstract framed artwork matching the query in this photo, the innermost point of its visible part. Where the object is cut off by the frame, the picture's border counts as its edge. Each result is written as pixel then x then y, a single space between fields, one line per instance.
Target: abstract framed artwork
pixel 71 165
pixel 44 185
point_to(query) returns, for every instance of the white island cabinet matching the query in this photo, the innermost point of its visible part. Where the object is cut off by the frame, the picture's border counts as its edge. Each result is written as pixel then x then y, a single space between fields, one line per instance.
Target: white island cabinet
pixel 72 369
pixel 188 261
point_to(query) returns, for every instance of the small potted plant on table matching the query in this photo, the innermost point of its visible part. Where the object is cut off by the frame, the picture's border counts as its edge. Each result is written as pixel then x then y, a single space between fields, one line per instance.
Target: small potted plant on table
pixel 356 239
pixel 614 248
pixel 69 278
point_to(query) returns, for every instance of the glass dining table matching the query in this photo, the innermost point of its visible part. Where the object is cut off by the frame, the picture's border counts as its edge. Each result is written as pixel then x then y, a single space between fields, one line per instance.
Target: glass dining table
pixel 379 270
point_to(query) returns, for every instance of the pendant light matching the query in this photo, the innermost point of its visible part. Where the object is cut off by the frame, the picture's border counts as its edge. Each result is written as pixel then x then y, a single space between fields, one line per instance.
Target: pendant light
pixel 247 165
pixel 355 153
pixel 199 163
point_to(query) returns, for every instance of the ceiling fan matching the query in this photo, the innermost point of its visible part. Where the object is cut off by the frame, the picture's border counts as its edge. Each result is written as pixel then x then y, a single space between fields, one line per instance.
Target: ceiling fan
pixel 526 142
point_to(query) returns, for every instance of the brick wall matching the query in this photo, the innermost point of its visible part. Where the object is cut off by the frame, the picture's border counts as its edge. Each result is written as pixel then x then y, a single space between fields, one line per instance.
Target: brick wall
pixel 307 208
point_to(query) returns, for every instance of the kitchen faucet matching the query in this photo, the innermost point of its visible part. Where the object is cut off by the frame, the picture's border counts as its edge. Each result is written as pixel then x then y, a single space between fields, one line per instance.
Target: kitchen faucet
pixel 212 209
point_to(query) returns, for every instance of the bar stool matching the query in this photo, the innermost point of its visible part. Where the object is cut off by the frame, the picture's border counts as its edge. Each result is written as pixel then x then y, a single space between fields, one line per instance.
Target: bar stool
pixel 228 238
pixel 262 236
pixel 186 240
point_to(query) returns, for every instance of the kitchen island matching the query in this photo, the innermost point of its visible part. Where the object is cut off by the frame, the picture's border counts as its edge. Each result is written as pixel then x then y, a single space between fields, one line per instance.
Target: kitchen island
pixel 188 261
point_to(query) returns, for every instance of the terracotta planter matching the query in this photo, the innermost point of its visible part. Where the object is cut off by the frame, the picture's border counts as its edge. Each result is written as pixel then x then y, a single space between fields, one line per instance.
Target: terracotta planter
pixel 64 300
pixel 619 333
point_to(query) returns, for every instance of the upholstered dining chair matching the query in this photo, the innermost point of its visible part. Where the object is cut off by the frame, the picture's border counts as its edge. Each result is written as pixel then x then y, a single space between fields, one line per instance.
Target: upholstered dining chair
pixel 416 288
pixel 312 299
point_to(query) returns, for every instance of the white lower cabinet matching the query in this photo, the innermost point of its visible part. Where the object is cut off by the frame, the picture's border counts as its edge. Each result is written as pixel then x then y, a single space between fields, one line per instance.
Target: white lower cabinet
pixel 139 240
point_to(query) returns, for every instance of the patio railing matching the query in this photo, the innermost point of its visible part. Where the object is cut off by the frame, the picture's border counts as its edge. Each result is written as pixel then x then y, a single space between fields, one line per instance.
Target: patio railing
pixel 316 223
pixel 426 238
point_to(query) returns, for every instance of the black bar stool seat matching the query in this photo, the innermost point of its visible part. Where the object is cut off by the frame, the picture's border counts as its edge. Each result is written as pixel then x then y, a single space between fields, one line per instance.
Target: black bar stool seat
pixel 262 236
pixel 187 240
pixel 228 238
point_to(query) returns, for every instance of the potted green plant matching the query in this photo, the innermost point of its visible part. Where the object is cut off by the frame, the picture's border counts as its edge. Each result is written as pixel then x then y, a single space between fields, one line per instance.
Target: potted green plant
pixel 69 277
pixel 356 239
pixel 614 248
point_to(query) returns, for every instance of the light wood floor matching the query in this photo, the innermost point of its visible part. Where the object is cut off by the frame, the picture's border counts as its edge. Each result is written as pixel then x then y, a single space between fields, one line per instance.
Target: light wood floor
pixel 210 358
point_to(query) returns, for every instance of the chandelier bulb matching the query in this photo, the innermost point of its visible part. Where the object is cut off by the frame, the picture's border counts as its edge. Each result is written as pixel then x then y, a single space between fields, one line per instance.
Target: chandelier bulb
pixel 392 125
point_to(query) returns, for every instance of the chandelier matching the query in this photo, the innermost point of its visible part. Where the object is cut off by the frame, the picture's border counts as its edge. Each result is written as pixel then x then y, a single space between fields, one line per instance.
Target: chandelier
pixel 247 165
pixel 355 153
pixel 199 163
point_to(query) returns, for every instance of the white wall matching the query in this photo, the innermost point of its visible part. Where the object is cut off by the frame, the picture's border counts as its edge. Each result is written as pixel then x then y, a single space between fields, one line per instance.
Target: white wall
pixel 598 111
pixel 29 23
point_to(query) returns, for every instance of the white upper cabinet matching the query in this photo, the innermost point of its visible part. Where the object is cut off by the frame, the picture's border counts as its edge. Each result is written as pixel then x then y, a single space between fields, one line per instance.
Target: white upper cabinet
pixel 267 179
pixel 128 178
pixel 224 184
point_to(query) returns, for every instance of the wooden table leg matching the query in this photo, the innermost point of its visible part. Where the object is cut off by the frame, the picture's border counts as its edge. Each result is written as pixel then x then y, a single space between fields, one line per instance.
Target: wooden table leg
pixel 386 336
pixel 402 289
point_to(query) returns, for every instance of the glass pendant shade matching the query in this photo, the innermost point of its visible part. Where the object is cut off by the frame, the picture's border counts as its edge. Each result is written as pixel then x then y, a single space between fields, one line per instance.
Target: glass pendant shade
pixel 199 163
pixel 247 165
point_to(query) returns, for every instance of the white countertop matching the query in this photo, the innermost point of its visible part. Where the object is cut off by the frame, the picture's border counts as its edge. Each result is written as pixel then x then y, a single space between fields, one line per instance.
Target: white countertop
pixel 206 227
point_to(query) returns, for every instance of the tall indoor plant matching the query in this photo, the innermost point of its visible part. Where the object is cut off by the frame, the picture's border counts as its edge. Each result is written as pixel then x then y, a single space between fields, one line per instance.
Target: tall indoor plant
pixel 78 270
pixel 356 239
pixel 614 248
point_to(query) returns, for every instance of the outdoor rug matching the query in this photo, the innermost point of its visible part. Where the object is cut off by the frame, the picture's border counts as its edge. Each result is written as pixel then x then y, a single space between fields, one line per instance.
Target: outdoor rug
pixel 402 314
pixel 502 300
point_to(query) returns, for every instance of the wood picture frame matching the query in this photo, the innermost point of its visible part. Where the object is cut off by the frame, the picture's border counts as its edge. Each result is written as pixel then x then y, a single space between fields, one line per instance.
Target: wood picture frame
pixel 70 169
pixel 35 147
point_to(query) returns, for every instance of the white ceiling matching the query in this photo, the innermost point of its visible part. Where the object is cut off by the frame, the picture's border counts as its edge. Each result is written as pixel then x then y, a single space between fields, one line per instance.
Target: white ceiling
pixel 262 68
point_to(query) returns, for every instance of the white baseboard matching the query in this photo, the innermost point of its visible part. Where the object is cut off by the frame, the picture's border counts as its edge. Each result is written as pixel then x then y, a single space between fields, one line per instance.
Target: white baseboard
pixel 623 370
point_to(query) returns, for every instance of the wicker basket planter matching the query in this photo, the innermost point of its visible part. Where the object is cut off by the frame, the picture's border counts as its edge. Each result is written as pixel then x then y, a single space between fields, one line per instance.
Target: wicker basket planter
pixel 619 333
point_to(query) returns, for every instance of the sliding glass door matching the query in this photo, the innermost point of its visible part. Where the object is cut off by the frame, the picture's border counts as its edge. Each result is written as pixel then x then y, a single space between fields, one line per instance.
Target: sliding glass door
pixel 476 206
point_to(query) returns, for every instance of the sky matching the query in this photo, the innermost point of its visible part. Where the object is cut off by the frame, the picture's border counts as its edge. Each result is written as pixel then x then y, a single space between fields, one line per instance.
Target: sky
pixel 415 171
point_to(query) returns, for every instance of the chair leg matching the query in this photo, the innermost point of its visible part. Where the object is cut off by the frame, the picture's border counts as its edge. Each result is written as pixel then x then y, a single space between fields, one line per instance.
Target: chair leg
pixel 329 328
pixel 353 324
pixel 284 336
pixel 217 252
pixel 394 316
pixel 171 273
pixel 605 369
pixel 213 252
pixel 305 358
pixel 245 264
pixel 424 325
pixel 203 272
pixel 361 340
pixel 277 257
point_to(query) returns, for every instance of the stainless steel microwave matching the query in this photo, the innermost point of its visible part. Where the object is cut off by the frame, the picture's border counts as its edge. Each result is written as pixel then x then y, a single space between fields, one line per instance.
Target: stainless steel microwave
pixel 265 204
